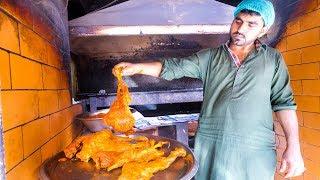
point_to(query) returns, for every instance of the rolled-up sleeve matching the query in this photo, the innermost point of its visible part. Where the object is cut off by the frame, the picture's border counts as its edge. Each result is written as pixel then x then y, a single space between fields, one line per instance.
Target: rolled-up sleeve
pixel 281 91
pixel 192 66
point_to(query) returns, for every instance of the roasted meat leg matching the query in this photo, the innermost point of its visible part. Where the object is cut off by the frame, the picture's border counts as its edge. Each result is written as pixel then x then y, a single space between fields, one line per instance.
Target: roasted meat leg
pixel 145 170
pixel 120 117
pixel 139 155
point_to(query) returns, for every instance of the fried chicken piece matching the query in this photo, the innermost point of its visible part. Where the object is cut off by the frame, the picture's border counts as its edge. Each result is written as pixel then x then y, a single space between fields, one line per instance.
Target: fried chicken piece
pixel 90 142
pixel 120 117
pixel 139 155
pixel 89 149
pixel 118 144
pixel 145 170
pixel 103 141
pixel 105 159
pixel 141 138
pixel 74 147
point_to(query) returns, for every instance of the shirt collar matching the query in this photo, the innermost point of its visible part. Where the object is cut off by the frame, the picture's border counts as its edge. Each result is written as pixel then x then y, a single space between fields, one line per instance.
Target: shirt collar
pixel 258 45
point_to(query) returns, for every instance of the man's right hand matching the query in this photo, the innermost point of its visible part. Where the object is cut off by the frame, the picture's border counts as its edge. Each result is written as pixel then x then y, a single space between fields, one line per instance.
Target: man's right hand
pixel 129 69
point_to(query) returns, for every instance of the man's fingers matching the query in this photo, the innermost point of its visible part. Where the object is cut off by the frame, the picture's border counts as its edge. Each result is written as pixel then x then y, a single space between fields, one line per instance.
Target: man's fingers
pixel 298 171
pixel 294 170
pixel 124 65
pixel 291 170
pixel 127 71
pixel 283 166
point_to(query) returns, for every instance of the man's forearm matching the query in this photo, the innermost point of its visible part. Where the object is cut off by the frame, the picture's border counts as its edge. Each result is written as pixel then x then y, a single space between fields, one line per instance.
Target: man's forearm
pixel 151 68
pixel 292 162
pixel 289 122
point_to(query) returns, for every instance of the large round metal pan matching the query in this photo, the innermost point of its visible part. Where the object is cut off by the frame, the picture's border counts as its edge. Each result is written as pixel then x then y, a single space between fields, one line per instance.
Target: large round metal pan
pixel 182 168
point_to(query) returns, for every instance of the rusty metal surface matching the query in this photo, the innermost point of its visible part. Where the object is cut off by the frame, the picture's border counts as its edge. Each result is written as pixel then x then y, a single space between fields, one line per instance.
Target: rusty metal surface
pixel 74 169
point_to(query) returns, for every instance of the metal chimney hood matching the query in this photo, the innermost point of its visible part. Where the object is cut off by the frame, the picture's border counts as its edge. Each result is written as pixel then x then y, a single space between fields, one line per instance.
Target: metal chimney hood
pixel 156 17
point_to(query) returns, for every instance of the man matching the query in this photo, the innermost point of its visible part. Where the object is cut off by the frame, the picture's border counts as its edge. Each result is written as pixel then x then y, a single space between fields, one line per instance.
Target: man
pixel 244 82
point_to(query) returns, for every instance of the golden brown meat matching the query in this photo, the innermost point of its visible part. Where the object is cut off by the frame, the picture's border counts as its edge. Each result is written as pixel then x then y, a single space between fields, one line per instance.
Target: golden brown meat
pixel 92 144
pixel 139 155
pixel 145 170
pixel 103 141
pixel 74 147
pixel 112 154
pixel 104 159
pixel 120 117
pixel 110 145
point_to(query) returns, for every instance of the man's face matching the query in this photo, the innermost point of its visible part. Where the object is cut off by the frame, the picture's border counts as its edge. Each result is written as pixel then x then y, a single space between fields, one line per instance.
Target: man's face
pixel 246 28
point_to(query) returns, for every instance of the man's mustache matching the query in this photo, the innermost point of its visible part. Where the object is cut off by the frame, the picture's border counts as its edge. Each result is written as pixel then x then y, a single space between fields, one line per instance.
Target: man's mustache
pixel 239 34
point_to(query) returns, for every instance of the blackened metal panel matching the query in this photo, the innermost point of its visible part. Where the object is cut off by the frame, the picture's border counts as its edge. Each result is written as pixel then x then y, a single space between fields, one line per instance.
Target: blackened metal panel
pixel 94 76
pixel 143 47
pixel 148 97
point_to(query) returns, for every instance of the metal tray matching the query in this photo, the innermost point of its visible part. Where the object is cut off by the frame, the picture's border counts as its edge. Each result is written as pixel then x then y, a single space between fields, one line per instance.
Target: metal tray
pixel 95 123
pixel 75 169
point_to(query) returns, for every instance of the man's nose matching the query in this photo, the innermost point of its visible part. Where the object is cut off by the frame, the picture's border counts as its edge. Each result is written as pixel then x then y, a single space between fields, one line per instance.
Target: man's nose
pixel 242 28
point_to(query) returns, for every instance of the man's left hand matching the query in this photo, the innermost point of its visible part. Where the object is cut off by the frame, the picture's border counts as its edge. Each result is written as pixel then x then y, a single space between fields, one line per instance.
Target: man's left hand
pixel 292 162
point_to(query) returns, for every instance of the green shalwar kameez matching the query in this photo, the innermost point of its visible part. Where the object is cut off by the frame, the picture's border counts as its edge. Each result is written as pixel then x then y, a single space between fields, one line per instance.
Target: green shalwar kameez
pixel 235 138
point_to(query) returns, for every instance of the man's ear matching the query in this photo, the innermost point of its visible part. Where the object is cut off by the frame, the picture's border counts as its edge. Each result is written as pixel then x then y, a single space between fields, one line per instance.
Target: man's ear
pixel 263 31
